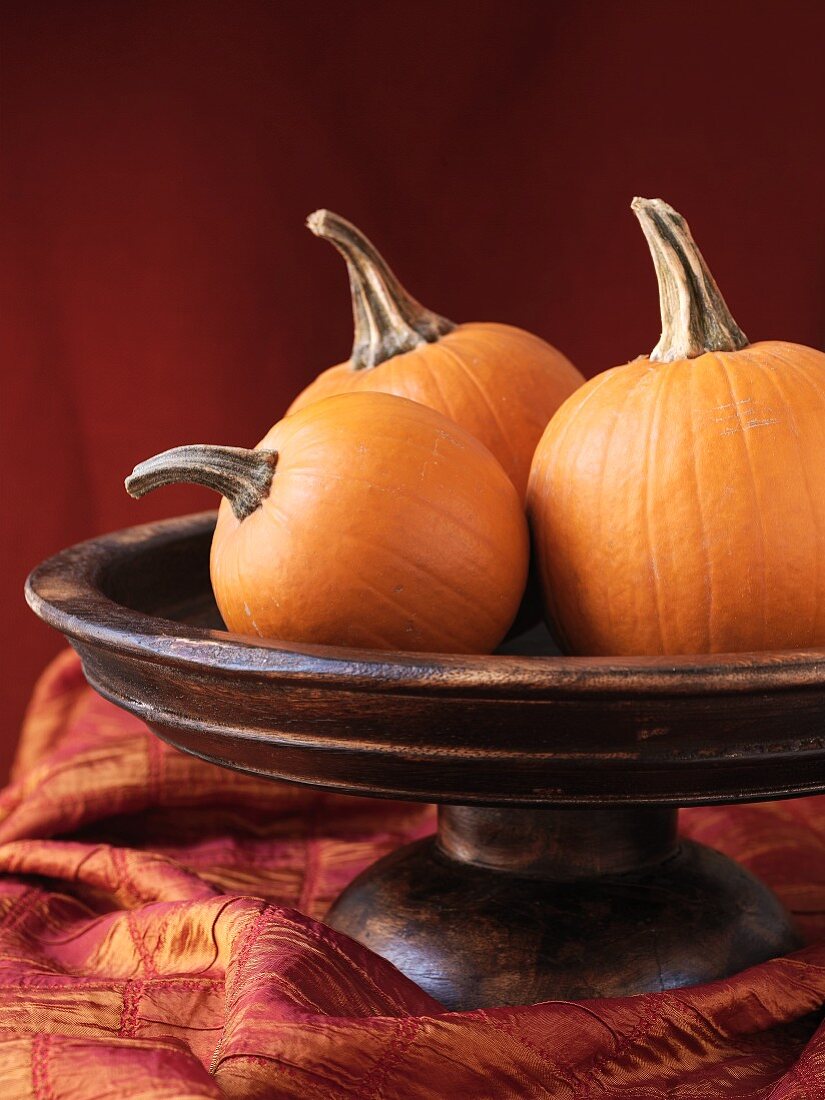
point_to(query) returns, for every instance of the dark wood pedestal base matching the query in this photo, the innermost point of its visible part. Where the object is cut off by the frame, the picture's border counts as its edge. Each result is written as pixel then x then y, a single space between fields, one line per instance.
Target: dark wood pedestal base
pixel 517 906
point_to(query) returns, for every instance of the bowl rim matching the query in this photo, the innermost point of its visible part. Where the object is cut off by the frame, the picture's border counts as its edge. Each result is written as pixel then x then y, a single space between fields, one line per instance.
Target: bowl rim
pixel 65 591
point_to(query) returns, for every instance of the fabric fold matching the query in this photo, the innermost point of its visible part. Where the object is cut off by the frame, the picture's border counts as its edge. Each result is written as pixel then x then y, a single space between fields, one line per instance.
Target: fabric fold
pixel 161 935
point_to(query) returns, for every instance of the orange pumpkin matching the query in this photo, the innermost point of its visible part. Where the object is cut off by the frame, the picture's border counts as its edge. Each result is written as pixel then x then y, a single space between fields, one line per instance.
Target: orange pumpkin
pixel 677 503
pixel 499 382
pixel 363 520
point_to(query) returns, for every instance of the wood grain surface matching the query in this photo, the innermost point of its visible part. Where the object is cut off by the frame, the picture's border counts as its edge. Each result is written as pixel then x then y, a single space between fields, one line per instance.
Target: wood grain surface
pixel 510 729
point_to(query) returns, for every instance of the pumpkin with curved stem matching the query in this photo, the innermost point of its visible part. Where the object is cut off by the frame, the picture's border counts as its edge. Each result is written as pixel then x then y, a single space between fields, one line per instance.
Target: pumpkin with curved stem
pixel 677 503
pixel 499 382
pixel 364 520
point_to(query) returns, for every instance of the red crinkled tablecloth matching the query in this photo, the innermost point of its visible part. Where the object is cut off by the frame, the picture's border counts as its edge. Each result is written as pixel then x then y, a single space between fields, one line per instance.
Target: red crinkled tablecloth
pixel 161 935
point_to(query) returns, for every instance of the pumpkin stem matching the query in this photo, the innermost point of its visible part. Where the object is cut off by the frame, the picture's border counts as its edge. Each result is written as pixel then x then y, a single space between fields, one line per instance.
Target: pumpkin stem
pixel 243 477
pixel 695 318
pixel 388 320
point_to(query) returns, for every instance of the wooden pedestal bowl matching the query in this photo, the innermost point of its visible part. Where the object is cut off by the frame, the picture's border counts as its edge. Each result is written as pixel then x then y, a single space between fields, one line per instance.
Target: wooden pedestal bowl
pixel 556 871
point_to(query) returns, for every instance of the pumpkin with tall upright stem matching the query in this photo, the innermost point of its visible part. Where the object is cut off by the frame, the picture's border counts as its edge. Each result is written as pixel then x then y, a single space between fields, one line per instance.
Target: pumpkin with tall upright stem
pixel 677 503
pixel 500 383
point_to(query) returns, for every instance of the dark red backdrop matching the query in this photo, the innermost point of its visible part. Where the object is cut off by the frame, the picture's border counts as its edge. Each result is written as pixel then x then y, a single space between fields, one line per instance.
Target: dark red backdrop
pixel 160 157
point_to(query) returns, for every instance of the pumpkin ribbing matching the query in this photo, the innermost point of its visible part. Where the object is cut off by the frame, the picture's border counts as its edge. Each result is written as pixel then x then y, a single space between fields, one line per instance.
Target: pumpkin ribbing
pixel 385 525
pixel 674 501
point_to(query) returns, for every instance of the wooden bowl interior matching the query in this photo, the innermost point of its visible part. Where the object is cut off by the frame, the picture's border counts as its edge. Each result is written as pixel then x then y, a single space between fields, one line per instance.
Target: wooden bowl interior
pixel 169 580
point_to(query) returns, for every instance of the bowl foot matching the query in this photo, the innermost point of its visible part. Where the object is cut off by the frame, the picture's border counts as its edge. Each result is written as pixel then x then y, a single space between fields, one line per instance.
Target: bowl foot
pixel 514 907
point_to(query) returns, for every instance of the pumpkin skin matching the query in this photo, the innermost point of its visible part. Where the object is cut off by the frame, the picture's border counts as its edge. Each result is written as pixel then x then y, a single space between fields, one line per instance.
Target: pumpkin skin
pixel 677 507
pixel 384 525
pixel 500 383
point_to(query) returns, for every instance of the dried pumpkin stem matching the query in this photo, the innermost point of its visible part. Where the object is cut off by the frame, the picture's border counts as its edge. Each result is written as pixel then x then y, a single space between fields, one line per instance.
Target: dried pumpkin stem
pixel 695 318
pixel 243 477
pixel 388 320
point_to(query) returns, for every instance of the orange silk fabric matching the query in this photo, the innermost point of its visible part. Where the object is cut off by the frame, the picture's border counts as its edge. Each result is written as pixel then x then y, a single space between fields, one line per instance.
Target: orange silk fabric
pixel 161 936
